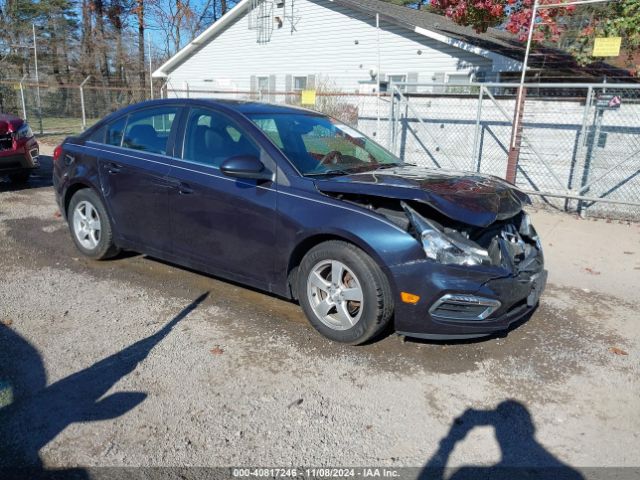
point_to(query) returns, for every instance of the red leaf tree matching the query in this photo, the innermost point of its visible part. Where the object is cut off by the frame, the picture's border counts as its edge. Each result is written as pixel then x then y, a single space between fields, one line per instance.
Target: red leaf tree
pixel 515 15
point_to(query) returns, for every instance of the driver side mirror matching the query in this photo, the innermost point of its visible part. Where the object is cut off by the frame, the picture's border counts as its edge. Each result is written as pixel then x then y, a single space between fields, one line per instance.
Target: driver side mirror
pixel 246 166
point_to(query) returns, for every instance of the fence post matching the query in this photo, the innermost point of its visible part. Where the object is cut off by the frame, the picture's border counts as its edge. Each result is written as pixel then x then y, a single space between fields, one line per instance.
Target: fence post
pixel 391 123
pixel 476 137
pixel 24 106
pixel 581 142
pixel 516 137
pixel 84 116
pixel 589 156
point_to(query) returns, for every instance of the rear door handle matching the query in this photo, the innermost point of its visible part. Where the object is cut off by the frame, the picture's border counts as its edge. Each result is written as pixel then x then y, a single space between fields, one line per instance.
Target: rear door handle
pixel 113 168
pixel 184 189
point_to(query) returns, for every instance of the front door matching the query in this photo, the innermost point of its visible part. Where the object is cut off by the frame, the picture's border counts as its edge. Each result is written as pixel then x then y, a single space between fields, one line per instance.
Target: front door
pixel 225 223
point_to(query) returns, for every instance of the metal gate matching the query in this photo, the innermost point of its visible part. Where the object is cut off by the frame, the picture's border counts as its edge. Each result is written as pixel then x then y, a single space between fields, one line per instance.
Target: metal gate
pixel 579 147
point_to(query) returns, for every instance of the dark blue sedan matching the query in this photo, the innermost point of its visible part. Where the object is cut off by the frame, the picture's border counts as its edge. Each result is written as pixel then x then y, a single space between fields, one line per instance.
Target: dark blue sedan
pixel 301 205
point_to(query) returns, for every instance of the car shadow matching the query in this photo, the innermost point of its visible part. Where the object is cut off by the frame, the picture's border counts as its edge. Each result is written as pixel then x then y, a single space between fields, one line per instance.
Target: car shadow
pixel 522 456
pixel 40 177
pixel 33 413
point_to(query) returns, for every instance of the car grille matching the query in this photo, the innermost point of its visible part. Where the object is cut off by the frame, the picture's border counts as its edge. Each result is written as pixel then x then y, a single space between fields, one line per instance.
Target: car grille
pixel 6 142
pixel 463 307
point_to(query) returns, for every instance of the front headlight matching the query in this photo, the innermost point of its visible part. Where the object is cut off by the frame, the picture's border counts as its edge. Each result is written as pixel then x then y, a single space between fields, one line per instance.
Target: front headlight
pixel 443 248
pixel 23 132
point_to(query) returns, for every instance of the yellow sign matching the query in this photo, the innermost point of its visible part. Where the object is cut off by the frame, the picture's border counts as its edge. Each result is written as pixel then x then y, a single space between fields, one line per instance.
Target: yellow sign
pixel 308 97
pixel 607 47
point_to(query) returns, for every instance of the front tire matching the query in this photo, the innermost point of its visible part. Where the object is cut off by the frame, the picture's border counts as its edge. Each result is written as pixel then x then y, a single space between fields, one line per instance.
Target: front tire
pixel 344 293
pixel 90 226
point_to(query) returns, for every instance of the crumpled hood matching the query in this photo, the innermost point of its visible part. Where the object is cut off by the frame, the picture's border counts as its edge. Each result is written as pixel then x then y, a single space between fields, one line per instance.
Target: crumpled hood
pixel 466 197
pixel 9 123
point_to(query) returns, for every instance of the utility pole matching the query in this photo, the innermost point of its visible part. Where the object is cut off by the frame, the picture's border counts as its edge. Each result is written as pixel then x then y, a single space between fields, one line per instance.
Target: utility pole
pixel 514 145
pixel 35 54
pixel 150 69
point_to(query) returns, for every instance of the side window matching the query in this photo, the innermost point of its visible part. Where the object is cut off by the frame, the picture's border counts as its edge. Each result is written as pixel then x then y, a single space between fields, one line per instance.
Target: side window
pixel 113 134
pixel 211 138
pixel 149 129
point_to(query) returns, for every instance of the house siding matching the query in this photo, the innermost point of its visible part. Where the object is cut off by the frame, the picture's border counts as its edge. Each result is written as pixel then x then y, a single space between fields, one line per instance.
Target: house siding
pixel 338 45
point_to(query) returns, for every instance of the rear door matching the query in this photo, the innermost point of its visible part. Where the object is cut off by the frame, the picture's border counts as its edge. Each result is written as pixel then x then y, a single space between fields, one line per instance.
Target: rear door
pixel 133 173
pixel 225 223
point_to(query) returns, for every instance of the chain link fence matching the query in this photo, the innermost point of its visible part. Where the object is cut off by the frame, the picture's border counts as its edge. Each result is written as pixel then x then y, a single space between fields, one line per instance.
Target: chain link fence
pixel 54 110
pixel 579 149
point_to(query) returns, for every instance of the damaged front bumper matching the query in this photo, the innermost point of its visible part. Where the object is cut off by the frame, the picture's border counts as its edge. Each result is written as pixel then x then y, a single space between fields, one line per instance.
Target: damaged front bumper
pixel 459 302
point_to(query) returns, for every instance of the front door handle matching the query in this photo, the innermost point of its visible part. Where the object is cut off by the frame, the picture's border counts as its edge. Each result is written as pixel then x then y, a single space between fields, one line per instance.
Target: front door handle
pixel 184 189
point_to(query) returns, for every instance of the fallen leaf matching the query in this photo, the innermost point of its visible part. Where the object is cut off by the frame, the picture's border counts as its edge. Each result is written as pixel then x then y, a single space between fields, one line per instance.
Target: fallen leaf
pixel 617 351
pixel 7 321
pixel 57 214
pixel 216 351
pixel 592 271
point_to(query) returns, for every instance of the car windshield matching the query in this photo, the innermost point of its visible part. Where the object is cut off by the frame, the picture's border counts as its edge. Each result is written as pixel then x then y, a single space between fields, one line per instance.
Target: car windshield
pixel 319 145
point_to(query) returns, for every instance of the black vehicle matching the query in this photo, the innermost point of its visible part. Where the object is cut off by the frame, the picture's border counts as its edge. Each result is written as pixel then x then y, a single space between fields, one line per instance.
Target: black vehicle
pixel 296 203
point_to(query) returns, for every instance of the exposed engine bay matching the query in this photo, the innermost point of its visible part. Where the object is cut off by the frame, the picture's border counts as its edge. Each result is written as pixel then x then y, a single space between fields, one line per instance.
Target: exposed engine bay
pixel 511 243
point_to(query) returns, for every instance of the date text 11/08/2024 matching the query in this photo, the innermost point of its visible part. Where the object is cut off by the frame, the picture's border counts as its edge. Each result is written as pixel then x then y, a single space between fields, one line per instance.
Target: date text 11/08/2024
pixel 363 472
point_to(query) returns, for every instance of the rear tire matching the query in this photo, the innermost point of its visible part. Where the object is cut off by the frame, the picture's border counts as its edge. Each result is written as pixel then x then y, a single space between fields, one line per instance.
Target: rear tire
pixel 20 177
pixel 344 293
pixel 90 225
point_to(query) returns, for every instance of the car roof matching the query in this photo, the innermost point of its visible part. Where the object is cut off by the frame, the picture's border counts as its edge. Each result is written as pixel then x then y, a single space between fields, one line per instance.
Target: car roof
pixel 241 106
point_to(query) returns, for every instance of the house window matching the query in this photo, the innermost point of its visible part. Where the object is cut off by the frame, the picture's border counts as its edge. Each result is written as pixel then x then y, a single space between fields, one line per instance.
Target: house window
pixel 299 84
pixel 263 84
pixel 458 83
pixel 458 78
pixel 398 79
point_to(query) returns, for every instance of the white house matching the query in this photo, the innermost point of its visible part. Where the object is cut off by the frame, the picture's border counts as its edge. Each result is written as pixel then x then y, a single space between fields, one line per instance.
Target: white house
pixel 348 45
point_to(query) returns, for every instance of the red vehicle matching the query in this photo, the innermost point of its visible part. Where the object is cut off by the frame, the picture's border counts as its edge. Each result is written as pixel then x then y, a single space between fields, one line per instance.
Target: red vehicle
pixel 18 148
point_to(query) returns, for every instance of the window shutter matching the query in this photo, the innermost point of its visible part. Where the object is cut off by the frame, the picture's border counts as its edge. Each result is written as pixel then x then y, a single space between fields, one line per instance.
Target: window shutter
pixel 272 87
pixel 288 87
pixel 438 77
pixel 412 77
pixel 253 87
pixel 311 82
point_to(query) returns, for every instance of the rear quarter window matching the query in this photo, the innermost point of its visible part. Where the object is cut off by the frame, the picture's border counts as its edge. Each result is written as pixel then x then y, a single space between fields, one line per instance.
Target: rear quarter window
pixel 114 131
pixel 98 135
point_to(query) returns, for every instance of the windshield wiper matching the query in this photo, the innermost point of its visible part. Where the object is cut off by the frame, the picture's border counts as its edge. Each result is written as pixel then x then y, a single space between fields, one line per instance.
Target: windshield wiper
pixel 333 171
pixel 355 169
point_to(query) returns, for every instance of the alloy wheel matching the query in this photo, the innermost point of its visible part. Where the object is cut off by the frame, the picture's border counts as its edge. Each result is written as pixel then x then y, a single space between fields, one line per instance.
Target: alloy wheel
pixel 335 294
pixel 86 225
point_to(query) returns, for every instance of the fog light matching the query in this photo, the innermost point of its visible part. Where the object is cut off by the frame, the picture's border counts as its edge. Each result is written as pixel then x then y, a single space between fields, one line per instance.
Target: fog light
pixel 409 297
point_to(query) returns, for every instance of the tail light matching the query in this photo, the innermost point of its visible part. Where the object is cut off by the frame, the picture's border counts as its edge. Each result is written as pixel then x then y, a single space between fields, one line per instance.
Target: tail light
pixel 57 153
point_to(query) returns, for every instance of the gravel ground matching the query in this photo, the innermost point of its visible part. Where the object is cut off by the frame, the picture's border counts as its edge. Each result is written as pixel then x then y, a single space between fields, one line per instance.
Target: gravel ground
pixel 137 362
